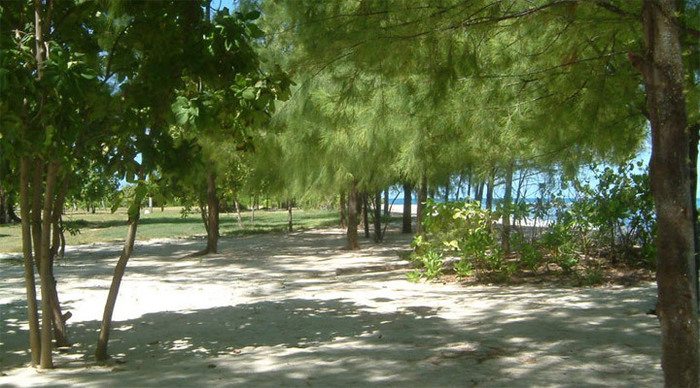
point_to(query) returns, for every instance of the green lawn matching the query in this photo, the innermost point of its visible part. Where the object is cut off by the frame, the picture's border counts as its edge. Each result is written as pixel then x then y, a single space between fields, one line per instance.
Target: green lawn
pixel 104 226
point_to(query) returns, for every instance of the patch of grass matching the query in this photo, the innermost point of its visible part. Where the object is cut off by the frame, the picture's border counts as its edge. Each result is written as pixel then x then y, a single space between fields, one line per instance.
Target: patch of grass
pixel 104 226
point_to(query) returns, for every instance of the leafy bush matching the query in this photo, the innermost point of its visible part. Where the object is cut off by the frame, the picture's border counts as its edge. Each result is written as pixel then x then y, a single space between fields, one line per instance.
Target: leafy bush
pixel 462 229
pixel 431 263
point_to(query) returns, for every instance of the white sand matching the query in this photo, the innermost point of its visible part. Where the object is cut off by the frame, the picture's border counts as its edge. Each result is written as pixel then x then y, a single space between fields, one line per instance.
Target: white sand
pixel 270 311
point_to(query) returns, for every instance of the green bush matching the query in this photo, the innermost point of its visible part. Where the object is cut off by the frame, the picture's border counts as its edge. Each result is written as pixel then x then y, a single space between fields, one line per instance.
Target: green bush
pixel 431 263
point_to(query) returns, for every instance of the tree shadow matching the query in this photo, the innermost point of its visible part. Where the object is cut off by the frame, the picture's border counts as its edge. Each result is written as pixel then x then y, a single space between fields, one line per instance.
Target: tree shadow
pixel 301 342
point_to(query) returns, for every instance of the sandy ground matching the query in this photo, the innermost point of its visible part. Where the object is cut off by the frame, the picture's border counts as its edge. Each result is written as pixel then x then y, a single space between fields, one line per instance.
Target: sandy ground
pixel 271 311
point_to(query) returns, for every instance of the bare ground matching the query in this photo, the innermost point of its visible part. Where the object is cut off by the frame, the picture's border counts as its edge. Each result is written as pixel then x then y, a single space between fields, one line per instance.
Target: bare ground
pixel 271 310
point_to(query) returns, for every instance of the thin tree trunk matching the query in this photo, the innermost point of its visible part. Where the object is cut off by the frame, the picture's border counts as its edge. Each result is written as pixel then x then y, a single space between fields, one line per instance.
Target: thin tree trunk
pixel 694 140
pixel 4 207
pixel 29 280
pixel 353 243
pixel 663 73
pixel 386 202
pixel 37 199
pixel 407 227
pixel 422 199
pixel 489 192
pixel 45 269
pixel 252 211
pixel 59 319
pixel 119 269
pixel 238 213
pixel 378 216
pixel 289 216
pixel 507 200
pixel 479 193
pixel 365 213
pixel 343 211
pixel 212 214
pixel 203 214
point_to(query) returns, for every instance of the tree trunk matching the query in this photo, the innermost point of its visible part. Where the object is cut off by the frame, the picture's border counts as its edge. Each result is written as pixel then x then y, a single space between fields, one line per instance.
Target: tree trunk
pixel 353 243
pixel 29 281
pixel 505 217
pixel 45 269
pixel 365 213
pixel 343 211
pixel 203 214
pixel 694 140
pixel 489 192
pixel 289 216
pixel 4 207
pixel 479 193
pixel 37 199
pixel 378 216
pixel 386 202
pixel 422 199
pixel 238 213
pixel 59 319
pixel 662 69
pixel 212 214
pixel 119 269
pixel 407 227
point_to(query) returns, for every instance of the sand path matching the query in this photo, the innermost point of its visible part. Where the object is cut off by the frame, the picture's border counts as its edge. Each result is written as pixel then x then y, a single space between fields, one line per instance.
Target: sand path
pixel 271 311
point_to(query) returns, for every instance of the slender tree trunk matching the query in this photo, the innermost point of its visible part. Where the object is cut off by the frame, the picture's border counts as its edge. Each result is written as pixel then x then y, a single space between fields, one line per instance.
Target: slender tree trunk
pixel 694 140
pixel 119 269
pixel 353 197
pixel 4 207
pixel 45 269
pixel 212 214
pixel 407 227
pixel 378 216
pixel 203 214
pixel 37 199
pixel 662 69
pixel 386 202
pixel 29 281
pixel 59 319
pixel 507 200
pixel 365 213
pixel 479 193
pixel 289 216
pixel 238 213
pixel 252 211
pixel 489 193
pixel 343 211
pixel 422 199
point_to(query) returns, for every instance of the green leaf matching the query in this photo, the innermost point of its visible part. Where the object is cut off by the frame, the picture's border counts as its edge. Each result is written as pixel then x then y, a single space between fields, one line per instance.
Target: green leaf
pixel 248 93
pixel 252 15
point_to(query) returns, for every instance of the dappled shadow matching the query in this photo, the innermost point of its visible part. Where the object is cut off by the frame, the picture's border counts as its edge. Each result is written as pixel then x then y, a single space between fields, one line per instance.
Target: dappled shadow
pixel 270 311
pixel 314 341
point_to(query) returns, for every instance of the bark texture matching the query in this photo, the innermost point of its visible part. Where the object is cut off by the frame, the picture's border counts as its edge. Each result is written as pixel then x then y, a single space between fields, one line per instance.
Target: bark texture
pixel 47 284
pixel 212 215
pixel 377 217
pixel 422 199
pixel 353 197
pixel 505 218
pixel 343 213
pixel 663 73
pixel 29 280
pixel 407 227
pixel 105 328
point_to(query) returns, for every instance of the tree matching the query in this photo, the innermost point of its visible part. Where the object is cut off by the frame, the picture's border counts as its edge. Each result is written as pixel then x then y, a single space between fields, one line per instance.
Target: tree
pixel 226 96
pixel 572 70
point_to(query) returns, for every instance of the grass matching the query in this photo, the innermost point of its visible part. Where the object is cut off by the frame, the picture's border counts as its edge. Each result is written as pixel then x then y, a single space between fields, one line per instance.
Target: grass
pixel 104 226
